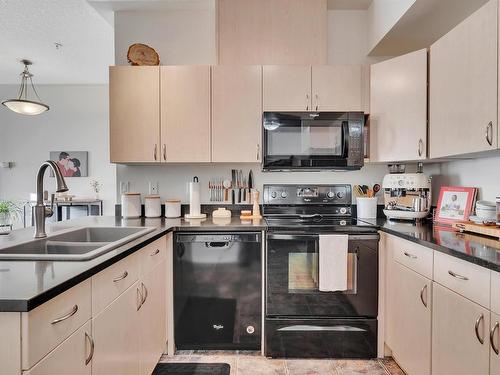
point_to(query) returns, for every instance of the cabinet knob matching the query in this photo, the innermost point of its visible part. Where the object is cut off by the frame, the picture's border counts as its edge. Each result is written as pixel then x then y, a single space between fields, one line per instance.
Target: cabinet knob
pixel 155 152
pixel 492 338
pixel 164 152
pixel 258 152
pixel 422 295
pixel 476 329
pixel 317 102
pixel 420 147
pixel 92 347
pixel 307 102
pixel 489 133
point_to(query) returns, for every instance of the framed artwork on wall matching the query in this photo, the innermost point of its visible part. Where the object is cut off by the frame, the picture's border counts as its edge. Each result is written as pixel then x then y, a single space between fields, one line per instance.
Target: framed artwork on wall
pixel 71 163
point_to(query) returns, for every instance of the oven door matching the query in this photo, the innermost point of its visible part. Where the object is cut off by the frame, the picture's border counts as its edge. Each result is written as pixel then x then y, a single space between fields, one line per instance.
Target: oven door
pixel 292 278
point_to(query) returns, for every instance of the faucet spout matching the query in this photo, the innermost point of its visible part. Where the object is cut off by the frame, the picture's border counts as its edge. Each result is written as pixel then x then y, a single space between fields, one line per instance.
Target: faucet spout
pixel 40 211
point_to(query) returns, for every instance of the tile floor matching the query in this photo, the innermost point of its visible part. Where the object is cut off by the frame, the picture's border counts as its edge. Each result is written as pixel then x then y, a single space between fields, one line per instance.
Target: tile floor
pixel 251 363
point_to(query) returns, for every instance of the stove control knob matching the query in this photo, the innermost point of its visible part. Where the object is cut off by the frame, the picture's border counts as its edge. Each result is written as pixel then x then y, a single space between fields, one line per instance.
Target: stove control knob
pixel 343 222
pixel 274 195
pixel 330 194
pixel 284 194
pixel 343 210
pixel 340 195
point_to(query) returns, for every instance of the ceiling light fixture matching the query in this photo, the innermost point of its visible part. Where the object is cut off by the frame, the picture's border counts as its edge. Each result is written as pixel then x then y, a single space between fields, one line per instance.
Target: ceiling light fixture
pixel 22 104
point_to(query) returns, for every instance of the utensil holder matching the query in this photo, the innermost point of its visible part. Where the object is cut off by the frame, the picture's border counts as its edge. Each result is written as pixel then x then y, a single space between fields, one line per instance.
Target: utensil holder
pixel 367 207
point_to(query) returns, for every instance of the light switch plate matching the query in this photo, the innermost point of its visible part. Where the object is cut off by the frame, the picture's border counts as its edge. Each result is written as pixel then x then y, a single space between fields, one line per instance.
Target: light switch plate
pixel 153 188
pixel 124 187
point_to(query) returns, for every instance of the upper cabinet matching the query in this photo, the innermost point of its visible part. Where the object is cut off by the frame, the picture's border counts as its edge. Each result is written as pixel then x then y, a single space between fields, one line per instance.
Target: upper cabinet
pixel 134 113
pixel 338 88
pixel 236 113
pixel 398 108
pixel 463 86
pixel 185 113
pixel 287 88
pixel 317 88
pixel 263 32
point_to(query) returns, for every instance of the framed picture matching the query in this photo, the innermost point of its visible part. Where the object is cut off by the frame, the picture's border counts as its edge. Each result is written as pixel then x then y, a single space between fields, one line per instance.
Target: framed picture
pixel 71 163
pixel 455 203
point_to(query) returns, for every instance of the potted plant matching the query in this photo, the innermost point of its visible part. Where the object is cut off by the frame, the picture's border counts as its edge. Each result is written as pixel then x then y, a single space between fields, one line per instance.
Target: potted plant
pixel 9 211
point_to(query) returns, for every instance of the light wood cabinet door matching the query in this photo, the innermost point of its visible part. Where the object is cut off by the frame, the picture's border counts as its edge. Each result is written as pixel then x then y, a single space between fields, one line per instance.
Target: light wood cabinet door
pixel 287 88
pixel 236 113
pixel 398 108
pixel 134 113
pixel 71 355
pixel 185 113
pixel 153 318
pixel 410 323
pixel 116 336
pixel 495 344
pixel 456 346
pixel 338 88
pixel 463 86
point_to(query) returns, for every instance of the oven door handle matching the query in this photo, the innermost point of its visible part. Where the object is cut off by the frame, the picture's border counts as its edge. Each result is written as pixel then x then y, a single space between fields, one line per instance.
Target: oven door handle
pixel 292 236
pixel 311 328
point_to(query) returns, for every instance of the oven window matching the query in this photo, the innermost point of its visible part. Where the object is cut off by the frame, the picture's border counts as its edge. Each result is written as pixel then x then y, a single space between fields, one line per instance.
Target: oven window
pixel 305 138
pixel 303 274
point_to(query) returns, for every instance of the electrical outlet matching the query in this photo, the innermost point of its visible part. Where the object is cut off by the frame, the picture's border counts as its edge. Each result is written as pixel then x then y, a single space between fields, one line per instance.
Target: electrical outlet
pixel 153 188
pixel 124 187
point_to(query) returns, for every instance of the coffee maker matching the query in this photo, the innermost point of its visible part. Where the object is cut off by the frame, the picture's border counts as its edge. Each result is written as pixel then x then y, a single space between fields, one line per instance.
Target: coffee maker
pixel 407 196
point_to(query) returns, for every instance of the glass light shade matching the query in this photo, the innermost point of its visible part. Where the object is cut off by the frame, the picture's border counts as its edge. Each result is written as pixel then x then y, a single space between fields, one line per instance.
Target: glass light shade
pixel 25 107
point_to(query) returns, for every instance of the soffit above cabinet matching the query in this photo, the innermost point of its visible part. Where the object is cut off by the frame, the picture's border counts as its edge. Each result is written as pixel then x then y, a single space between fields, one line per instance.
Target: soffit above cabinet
pixel 418 26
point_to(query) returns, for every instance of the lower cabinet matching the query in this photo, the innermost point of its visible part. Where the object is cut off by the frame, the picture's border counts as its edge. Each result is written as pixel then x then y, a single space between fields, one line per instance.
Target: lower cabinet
pixel 153 318
pixel 74 355
pixel 116 331
pixel 409 327
pixel 459 335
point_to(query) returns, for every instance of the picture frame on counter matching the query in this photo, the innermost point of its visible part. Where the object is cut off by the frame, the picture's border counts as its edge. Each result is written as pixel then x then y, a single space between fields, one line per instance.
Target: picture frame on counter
pixel 455 203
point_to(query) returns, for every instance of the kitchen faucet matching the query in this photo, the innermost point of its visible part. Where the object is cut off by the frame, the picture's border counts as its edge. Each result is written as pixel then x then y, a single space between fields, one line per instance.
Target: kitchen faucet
pixel 40 211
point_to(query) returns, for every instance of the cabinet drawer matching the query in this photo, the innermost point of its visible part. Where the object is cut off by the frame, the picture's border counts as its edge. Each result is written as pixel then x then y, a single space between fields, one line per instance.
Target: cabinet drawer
pixel 495 292
pixel 152 254
pixel 467 279
pixel 113 281
pixel 416 257
pixel 45 327
pixel 73 355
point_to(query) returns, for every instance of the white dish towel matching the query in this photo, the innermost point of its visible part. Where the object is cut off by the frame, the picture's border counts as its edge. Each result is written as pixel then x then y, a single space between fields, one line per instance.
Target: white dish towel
pixel 333 262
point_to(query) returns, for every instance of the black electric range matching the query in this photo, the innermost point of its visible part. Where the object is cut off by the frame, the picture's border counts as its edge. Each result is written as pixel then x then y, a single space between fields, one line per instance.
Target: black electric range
pixel 301 320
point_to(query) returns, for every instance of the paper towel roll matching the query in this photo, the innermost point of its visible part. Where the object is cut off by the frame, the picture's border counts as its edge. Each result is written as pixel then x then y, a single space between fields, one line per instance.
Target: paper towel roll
pixel 194 197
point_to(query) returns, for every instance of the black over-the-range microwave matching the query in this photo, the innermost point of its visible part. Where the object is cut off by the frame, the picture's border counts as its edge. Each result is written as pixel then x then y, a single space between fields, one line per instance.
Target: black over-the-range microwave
pixel 313 141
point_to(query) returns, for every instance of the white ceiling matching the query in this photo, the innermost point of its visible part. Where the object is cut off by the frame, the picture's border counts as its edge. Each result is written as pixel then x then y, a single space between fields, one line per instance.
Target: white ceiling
pixel 29 29
pixel 349 4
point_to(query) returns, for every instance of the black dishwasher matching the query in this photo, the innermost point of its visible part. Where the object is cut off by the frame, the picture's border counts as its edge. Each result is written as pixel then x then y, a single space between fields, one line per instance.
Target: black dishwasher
pixel 218 290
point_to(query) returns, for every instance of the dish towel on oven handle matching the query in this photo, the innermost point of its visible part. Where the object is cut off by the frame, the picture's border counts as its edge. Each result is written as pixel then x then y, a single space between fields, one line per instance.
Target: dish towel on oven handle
pixel 333 262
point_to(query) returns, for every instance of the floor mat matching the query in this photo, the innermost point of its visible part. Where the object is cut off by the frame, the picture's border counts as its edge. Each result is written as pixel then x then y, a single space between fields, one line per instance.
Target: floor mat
pixel 192 369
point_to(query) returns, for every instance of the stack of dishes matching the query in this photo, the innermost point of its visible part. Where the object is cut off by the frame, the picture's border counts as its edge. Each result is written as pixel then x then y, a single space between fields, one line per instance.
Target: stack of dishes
pixel 485 212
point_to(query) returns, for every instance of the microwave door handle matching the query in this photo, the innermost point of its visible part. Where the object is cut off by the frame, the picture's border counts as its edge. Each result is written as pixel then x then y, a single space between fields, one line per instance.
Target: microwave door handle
pixel 345 132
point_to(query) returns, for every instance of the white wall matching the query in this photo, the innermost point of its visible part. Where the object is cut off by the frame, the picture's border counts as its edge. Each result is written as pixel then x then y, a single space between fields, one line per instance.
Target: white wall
pixel 173 179
pixel 77 121
pixel 180 37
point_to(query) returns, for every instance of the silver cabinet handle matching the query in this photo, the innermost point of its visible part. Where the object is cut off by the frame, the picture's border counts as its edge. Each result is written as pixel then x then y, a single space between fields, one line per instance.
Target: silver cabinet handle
pixel 420 147
pixel 155 153
pixel 141 299
pixel 92 347
pixel 121 277
pixel 307 102
pixel 164 152
pixel 476 328
pixel 422 295
pixel 411 256
pixel 155 253
pixel 457 276
pixel 317 101
pixel 67 316
pixel 258 152
pixel 492 338
pixel 145 293
pixel 489 133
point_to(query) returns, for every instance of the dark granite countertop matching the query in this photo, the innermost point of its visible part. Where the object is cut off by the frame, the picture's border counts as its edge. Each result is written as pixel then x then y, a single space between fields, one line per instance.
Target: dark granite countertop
pixel 481 250
pixel 25 284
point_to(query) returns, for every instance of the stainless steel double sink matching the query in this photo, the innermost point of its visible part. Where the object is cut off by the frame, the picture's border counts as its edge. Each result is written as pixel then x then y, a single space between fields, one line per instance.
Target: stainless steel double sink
pixel 81 243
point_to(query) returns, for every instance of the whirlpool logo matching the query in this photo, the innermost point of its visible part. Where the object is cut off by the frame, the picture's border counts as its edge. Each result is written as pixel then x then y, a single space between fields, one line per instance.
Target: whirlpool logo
pixel 218 327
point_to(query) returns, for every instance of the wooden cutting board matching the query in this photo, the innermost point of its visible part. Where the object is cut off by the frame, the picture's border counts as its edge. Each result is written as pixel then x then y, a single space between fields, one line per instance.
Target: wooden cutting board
pixel 469 226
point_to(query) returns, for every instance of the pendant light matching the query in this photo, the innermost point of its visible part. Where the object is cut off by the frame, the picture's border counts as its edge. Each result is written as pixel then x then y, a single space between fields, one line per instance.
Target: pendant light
pixel 22 104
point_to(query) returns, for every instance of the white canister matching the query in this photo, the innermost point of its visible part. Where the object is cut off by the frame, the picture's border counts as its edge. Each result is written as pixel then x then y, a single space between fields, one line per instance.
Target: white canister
pixel 367 207
pixel 152 205
pixel 173 208
pixel 131 205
